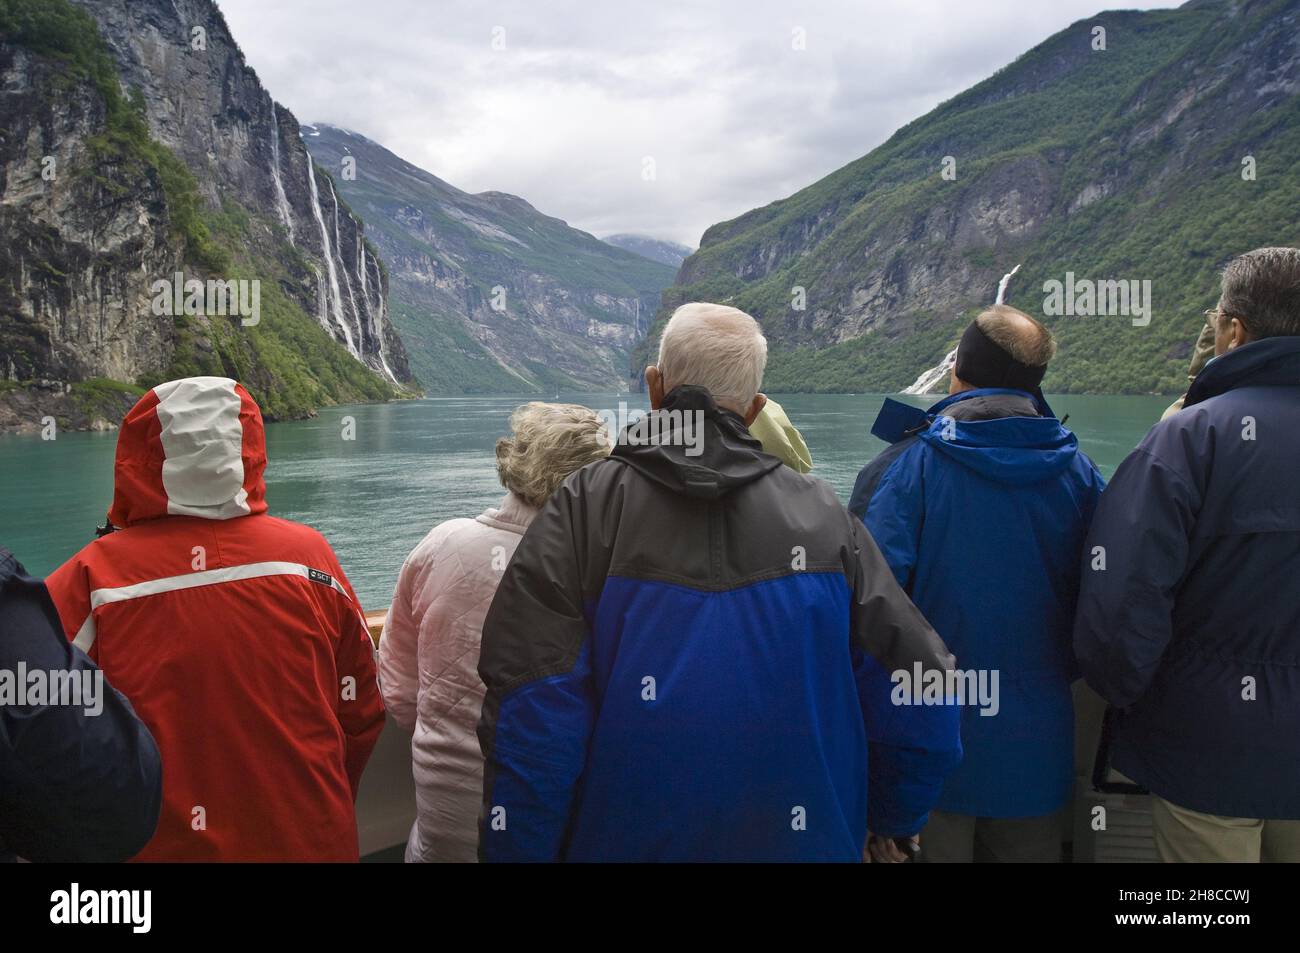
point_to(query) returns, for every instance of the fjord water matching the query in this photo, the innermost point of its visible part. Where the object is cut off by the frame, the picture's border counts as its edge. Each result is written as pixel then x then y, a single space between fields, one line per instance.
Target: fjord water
pixel 413 464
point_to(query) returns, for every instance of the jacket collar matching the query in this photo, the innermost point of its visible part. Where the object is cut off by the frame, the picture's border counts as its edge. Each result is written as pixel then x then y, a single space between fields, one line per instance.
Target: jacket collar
pixel 1264 363
pixel 694 447
pixel 511 514
pixel 898 421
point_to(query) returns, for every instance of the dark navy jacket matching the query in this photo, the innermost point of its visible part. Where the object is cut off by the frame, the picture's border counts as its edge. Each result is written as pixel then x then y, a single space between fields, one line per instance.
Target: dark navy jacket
pixel 73 786
pixel 1191 625
pixel 688 659
pixel 981 508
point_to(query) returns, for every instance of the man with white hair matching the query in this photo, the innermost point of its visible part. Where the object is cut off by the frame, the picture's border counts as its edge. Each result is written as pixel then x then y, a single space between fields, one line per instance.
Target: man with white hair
pixel 689 656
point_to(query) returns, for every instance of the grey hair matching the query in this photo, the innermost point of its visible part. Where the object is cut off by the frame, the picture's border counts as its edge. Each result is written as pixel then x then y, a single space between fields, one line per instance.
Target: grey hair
pixel 1001 324
pixel 715 347
pixel 1262 287
pixel 546 444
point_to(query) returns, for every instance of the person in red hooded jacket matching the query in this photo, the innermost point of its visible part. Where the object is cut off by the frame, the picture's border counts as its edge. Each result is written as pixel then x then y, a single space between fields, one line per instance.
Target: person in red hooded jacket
pixel 234 634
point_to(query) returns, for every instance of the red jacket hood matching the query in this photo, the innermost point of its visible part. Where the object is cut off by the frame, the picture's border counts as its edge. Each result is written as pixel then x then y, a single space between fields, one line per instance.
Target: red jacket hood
pixel 192 447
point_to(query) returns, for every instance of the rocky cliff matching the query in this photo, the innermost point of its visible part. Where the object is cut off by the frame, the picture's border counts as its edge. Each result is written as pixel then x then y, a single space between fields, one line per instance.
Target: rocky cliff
pixel 137 147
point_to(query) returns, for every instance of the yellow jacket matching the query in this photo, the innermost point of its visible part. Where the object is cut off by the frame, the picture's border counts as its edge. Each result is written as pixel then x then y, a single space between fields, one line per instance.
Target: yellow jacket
pixel 780 438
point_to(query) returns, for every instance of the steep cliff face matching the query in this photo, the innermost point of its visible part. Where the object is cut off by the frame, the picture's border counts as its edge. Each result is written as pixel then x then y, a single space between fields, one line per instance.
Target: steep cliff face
pixel 81 242
pixel 1152 155
pixel 209 108
pixel 137 146
pixel 488 293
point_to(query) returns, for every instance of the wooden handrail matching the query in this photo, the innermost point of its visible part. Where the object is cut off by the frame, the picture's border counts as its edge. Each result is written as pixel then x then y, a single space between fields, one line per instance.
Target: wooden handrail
pixel 375 623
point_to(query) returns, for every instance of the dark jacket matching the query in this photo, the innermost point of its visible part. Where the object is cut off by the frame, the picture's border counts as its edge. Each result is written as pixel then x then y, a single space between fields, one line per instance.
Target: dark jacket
pixel 73 786
pixel 982 513
pixel 1188 615
pixel 688 659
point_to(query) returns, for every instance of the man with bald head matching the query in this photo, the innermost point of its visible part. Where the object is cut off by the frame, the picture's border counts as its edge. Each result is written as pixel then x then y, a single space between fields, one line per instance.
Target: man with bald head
pixel 981 506
pixel 688 657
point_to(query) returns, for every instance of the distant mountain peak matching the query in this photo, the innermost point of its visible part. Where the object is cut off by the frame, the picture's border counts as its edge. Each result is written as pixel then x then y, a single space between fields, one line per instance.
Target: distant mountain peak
pixel 656 249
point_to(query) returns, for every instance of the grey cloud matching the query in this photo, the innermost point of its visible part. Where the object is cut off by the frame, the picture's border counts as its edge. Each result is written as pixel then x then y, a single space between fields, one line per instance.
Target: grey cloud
pixel 733 116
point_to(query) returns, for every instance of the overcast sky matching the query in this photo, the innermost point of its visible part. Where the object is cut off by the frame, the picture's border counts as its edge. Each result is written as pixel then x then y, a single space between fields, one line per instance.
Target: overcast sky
pixel 733 115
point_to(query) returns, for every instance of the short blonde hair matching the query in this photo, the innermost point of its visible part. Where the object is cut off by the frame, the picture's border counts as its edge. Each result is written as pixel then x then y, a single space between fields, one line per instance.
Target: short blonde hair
pixel 715 347
pixel 546 444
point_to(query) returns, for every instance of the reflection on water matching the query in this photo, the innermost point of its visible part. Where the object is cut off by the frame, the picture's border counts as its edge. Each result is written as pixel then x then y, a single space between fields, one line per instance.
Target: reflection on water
pixel 415 463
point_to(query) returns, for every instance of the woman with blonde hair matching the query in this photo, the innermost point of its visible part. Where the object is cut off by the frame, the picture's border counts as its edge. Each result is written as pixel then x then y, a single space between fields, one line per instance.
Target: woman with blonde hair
pixel 428 653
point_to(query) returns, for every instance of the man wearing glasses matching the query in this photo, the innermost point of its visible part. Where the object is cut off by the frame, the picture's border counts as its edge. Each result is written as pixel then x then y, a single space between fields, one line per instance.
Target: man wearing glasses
pixel 1188 622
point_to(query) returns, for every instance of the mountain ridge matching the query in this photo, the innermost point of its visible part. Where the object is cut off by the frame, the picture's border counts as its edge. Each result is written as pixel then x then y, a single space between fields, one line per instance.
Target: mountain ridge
pixel 490 294
pixel 1114 164
pixel 656 249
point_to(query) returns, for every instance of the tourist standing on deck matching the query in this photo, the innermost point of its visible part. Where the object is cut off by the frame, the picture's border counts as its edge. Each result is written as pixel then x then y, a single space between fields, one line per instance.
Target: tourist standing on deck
pixel 689 655
pixel 234 634
pixel 80 777
pixel 1188 617
pixel 981 506
pixel 428 654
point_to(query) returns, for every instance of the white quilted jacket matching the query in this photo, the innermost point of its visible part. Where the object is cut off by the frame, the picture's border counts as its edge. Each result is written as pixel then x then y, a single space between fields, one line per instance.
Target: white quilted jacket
pixel 428 670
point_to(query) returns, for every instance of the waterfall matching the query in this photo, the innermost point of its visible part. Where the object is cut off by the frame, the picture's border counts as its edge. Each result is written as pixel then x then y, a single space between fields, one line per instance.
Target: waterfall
pixel 926 383
pixel 337 299
pixel 376 324
pixel 347 278
pixel 281 197
pixel 1002 285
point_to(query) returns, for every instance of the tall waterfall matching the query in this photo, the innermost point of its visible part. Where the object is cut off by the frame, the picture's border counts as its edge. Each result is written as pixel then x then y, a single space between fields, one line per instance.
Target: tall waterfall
pixel 376 328
pixel 334 302
pixel 347 279
pixel 281 197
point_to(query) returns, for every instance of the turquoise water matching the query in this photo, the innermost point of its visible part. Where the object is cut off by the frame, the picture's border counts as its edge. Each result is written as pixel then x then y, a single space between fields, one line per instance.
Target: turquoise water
pixel 416 463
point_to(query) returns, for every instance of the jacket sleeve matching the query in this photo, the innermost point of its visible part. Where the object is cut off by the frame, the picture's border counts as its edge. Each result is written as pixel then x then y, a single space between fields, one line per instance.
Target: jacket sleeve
pixel 361 709
pixel 1135 556
pixel 894 512
pixel 399 650
pixel 81 783
pixel 69 589
pixel 911 749
pixel 540 704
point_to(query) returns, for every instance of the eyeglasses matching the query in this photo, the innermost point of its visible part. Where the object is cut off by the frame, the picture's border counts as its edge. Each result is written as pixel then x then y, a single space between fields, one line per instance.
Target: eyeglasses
pixel 1215 312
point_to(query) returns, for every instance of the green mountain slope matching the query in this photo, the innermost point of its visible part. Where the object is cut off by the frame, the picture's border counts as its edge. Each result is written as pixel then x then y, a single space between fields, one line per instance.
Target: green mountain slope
pixel 1117 164
pixel 569 307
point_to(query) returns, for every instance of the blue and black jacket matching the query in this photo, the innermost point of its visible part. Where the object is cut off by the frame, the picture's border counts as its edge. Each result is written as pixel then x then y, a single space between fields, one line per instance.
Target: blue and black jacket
pixel 689 658
pixel 981 506
pixel 1189 620
pixel 75 785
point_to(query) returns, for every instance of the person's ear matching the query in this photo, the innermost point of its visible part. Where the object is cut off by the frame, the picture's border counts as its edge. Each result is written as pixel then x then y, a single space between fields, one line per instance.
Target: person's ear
pixel 755 408
pixel 654 385
pixel 1237 335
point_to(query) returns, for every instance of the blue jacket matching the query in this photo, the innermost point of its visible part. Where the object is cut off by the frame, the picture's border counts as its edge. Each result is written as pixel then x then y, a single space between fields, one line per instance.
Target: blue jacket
pixel 1189 619
pixel 76 784
pixel 981 506
pixel 687 659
